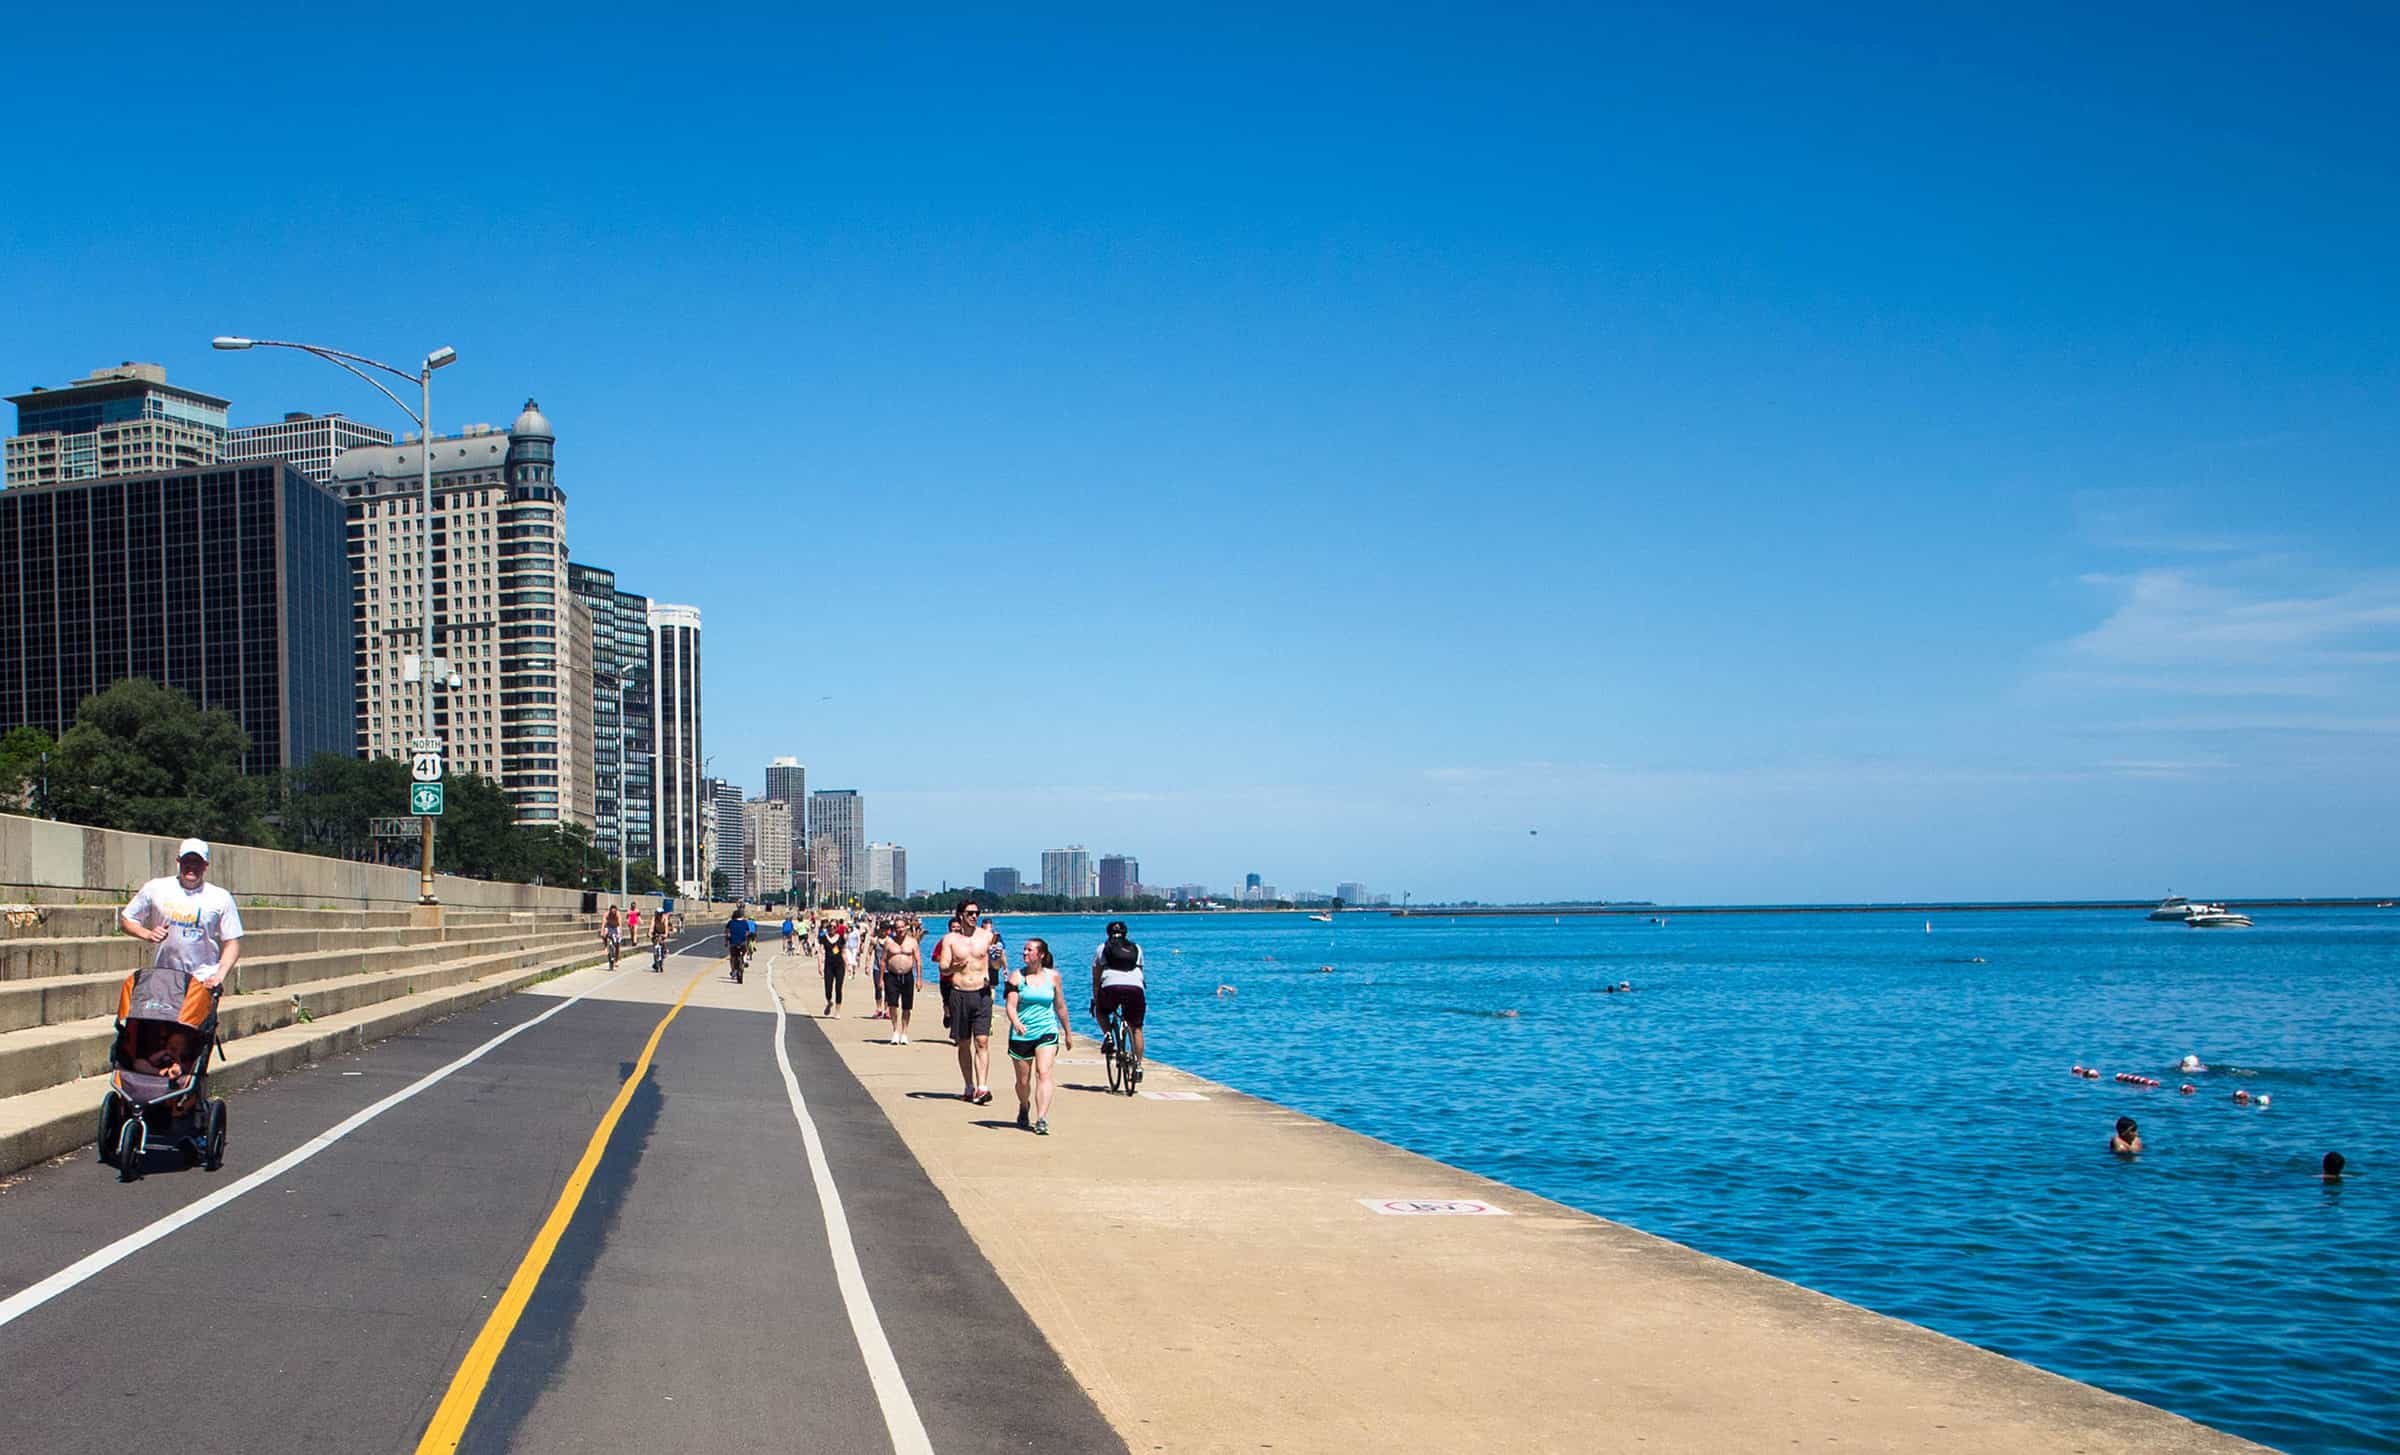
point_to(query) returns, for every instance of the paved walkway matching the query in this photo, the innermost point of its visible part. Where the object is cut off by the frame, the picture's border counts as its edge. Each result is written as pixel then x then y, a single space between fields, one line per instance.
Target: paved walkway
pixel 1211 1272
pixel 696 1298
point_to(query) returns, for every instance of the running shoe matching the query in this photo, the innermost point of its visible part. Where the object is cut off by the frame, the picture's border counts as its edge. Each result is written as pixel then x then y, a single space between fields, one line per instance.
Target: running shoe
pixel 983 1096
pixel 1025 1119
pixel 1042 1127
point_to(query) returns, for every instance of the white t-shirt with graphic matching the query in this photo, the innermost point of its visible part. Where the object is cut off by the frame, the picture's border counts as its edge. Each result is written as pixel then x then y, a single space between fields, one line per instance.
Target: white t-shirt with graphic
pixel 198 922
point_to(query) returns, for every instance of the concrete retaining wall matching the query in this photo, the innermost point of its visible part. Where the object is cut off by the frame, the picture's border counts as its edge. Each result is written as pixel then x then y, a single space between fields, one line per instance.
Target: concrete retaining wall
pixel 63 863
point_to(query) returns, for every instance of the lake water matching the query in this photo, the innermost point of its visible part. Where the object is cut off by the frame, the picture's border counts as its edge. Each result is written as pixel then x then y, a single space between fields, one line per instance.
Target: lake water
pixel 1886 1114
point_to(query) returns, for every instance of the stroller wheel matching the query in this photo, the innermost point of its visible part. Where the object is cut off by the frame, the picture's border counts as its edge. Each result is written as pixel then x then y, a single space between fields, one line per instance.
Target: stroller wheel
pixel 112 1120
pixel 212 1141
pixel 132 1142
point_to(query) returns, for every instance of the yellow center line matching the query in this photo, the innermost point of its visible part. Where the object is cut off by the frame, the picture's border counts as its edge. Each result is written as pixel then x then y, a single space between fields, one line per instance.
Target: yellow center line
pixel 475 1371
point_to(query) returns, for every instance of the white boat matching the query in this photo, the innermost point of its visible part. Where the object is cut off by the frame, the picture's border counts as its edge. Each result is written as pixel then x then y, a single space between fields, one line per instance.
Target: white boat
pixel 2217 917
pixel 2175 908
pixel 1322 919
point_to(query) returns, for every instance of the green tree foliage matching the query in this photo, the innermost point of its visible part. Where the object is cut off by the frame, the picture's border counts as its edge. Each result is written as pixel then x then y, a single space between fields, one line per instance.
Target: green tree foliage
pixel 327 804
pixel 147 759
pixel 21 767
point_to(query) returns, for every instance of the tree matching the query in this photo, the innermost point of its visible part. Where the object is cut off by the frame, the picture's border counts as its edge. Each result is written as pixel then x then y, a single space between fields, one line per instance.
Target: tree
pixel 21 766
pixel 720 885
pixel 328 801
pixel 147 759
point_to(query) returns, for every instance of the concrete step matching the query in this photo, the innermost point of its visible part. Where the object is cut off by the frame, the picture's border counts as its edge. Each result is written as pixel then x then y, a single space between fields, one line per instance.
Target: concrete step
pixel 32 959
pixel 41 1056
pixel 55 999
pixel 45 956
pixel 42 1124
pixel 52 921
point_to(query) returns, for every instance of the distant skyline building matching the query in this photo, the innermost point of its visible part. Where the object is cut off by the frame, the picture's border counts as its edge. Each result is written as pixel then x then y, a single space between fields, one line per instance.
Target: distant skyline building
pixel 230 582
pixel 728 839
pixel 887 869
pixel 620 697
pixel 787 782
pixel 1120 876
pixel 1068 871
pixel 675 740
pixel 839 816
pixel 767 846
pixel 310 442
pixel 1350 892
pixel 1003 881
pixel 112 422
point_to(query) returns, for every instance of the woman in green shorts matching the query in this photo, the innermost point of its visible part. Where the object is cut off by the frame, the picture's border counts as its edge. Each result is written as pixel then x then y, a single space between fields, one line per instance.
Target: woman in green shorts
pixel 1037 1031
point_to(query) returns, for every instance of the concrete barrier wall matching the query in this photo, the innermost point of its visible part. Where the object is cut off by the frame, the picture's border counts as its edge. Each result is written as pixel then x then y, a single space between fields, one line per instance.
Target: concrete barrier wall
pixel 63 863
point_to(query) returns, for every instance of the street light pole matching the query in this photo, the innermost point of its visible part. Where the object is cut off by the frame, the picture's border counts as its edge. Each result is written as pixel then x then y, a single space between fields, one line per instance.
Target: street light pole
pixel 423 415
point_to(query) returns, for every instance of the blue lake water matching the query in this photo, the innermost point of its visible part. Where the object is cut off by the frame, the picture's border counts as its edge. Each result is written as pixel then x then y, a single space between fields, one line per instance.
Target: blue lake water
pixel 1852 1103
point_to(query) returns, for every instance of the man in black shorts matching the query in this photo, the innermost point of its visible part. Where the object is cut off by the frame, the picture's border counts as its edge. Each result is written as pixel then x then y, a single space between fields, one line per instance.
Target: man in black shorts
pixel 1117 983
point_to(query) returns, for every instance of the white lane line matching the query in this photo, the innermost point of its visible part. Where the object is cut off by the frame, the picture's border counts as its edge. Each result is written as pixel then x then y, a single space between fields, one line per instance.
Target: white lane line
pixel 883 1371
pixel 26 1300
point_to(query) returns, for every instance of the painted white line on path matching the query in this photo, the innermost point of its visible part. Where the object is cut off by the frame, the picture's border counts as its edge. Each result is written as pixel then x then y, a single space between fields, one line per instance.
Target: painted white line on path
pixel 26 1300
pixel 883 1370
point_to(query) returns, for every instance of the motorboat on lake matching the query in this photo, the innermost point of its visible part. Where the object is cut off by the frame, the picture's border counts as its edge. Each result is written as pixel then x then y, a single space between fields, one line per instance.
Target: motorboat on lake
pixel 2216 917
pixel 2175 908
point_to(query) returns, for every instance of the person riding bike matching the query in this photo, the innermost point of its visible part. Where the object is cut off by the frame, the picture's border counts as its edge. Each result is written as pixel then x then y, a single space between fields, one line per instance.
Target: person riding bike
pixel 787 934
pixel 612 936
pixel 658 942
pixel 739 932
pixel 1117 984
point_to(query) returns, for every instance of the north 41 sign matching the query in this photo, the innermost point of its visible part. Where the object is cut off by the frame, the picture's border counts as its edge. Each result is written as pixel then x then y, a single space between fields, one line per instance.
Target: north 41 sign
pixel 425 799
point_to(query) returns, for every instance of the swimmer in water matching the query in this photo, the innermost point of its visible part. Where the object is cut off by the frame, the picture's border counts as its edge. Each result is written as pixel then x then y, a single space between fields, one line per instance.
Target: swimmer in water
pixel 2334 1163
pixel 2127 1142
pixel 2190 1063
pixel 1225 990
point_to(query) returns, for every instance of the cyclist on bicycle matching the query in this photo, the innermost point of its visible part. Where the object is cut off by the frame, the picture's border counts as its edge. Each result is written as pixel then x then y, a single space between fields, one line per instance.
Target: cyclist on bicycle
pixel 787 934
pixel 739 932
pixel 658 942
pixel 611 936
pixel 1117 984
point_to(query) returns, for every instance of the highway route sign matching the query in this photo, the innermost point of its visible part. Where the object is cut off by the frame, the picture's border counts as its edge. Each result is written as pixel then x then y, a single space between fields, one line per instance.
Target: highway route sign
pixel 424 745
pixel 426 768
pixel 425 799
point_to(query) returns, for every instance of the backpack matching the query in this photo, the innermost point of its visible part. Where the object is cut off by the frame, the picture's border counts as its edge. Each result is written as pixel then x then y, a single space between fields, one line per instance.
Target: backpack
pixel 1120 955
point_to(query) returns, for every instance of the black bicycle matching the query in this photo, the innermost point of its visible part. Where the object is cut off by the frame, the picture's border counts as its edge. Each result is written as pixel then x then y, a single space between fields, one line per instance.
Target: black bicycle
pixel 741 960
pixel 1117 1050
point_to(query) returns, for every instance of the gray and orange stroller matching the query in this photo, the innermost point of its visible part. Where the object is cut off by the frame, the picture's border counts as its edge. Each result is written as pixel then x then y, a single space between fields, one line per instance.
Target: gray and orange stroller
pixel 158 1073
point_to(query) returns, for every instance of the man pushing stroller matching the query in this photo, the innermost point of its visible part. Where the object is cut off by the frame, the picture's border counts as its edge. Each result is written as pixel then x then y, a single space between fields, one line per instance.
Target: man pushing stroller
pixel 167 1019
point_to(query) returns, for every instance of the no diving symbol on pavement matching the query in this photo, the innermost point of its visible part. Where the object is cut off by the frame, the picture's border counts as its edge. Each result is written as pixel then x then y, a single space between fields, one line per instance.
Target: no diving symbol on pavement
pixel 1433 1207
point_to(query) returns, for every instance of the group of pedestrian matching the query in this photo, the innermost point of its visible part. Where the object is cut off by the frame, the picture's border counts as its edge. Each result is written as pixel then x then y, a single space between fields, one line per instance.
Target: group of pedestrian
pixel 978 990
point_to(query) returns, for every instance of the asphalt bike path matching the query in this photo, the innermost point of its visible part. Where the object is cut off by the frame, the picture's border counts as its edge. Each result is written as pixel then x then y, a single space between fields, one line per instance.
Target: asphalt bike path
pixel 694 1296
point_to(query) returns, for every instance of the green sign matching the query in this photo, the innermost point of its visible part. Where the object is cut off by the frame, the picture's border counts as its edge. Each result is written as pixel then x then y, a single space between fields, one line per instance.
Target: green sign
pixel 425 799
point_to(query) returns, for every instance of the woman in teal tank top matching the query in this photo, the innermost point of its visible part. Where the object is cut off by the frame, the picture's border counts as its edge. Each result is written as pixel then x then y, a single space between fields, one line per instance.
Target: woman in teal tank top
pixel 1037 1031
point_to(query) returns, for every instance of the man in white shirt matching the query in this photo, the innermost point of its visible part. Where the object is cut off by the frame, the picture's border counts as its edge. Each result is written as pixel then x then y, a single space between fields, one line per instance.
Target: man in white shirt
pixel 194 923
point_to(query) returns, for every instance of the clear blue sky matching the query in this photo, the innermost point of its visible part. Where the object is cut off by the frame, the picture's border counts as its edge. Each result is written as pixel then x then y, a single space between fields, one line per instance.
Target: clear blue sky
pixel 1774 456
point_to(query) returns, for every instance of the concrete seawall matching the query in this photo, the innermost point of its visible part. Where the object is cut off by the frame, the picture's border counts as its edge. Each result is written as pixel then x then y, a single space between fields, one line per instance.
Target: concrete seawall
pixel 1214 1270
pixel 61 863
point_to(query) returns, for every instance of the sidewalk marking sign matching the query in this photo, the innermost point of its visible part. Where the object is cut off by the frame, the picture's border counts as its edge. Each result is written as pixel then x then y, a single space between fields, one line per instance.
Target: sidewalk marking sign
pixel 425 799
pixel 1433 1207
pixel 1174 1096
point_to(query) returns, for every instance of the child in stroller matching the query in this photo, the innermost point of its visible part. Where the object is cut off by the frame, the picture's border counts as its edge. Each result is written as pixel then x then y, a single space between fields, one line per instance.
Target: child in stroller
pixel 158 1080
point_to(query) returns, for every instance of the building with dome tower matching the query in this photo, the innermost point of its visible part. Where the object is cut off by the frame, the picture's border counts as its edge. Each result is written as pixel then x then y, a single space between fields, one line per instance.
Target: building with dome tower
pixel 517 642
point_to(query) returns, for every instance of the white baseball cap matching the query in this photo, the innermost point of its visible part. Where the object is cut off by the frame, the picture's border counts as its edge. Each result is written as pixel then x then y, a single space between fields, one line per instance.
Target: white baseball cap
pixel 194 846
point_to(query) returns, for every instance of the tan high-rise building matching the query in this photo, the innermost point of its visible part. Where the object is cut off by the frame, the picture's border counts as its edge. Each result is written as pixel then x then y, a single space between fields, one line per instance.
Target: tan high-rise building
pixel 123 421
pixel 767 843
pixel 515 638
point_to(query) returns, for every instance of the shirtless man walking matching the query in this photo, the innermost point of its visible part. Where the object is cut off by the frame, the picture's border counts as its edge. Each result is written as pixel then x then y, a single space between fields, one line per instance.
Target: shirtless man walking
pixel 965 953
pixel 900 957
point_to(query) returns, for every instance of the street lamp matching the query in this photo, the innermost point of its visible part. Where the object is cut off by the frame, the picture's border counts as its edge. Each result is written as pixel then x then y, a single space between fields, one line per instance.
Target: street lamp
pixel 622 683
pixel 439 358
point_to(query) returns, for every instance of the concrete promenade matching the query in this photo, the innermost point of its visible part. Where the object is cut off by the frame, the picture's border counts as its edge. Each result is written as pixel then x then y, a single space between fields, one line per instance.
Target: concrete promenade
pixel 1209 1273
